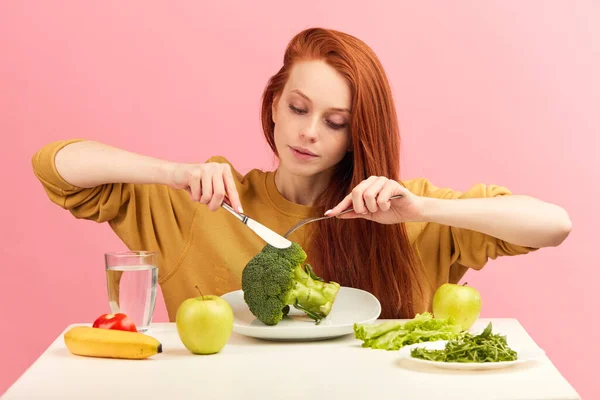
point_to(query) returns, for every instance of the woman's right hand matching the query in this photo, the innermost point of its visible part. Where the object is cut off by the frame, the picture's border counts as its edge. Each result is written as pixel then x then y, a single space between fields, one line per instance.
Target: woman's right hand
pixel 207 183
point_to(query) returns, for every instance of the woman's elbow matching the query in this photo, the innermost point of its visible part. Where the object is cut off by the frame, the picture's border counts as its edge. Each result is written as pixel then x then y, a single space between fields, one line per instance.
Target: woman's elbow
pixel 562 227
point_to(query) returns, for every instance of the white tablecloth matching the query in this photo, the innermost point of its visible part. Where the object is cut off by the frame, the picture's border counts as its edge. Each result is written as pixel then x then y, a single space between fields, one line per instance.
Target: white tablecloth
pixel 249 368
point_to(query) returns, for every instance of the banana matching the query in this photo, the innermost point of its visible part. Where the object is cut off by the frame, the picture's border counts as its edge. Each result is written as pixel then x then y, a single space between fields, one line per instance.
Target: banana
pixel 110 343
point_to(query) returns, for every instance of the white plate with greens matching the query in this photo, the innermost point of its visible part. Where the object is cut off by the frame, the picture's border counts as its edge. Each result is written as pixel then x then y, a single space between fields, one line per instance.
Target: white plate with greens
pixel 473 352
pixel 351 306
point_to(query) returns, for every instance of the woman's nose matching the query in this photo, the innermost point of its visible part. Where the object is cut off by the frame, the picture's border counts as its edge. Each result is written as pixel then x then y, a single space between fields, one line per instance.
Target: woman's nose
pixel 309 132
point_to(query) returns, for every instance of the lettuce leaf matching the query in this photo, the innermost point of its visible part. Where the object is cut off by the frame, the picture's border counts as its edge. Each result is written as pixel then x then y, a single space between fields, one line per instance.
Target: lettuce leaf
pixel 393 335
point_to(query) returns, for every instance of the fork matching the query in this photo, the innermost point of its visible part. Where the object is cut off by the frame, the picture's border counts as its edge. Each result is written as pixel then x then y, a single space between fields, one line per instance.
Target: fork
pixel 309 220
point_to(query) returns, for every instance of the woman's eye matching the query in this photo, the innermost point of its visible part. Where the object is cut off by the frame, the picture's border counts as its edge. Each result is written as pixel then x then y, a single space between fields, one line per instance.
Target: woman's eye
pixel 297 110
pixel 336 126
pixel 331 124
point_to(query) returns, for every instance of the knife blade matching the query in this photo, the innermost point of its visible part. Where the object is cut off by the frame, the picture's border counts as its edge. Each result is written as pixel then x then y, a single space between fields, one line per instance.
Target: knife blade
pixel 269 236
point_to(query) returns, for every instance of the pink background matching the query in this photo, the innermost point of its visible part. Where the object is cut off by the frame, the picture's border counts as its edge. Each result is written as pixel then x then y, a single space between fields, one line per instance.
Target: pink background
pixel 494 92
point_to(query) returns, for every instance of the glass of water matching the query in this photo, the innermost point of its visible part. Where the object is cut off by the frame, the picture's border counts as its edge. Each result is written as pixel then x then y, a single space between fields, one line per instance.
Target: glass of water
pixel 131 278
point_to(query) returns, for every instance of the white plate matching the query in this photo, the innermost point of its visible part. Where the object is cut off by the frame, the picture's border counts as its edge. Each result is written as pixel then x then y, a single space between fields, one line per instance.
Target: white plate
pixel 523 355
pixel 351 305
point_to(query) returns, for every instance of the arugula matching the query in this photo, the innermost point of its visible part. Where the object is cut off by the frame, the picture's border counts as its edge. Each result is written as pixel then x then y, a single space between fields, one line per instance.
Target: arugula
pixel 468 348
pixel 392 335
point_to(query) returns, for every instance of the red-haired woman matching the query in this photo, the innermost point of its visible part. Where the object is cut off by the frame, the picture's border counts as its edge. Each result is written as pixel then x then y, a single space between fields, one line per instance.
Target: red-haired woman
pixel 329 116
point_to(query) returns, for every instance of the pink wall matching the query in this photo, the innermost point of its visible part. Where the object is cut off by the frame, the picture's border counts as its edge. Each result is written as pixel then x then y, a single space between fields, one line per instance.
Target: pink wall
pixel 493 92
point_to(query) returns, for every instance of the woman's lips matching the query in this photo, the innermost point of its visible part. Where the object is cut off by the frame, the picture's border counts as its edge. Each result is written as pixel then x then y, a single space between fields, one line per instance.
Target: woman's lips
pixel 302 154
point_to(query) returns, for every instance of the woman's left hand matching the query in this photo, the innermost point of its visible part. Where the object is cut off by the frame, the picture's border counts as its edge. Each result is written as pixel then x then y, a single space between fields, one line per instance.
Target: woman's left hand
pixel 371 200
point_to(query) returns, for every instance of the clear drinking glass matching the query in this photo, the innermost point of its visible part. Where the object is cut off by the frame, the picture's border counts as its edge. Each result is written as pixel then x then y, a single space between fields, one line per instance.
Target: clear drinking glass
pixel 131 278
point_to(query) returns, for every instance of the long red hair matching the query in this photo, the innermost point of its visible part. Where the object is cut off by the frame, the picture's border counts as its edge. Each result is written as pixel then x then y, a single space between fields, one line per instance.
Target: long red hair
pixel 357 252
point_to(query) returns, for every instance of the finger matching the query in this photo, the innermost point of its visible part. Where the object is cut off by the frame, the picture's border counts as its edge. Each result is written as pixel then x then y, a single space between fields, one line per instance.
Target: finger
pixel 207 188
pixel 358 201
pixel 218 192
pixel 347 201
pixel 232 190
pixel 370 194
pixel 341 206
pixel 383 199
pixel 194 189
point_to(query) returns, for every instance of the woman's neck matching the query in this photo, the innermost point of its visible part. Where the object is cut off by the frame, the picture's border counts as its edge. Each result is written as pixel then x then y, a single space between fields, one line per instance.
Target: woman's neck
pixel 298 189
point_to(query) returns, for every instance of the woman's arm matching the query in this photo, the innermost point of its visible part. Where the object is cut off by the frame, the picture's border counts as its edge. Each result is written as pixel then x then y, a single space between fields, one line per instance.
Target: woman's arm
pixel 87 164
pixel 521 220
pixel 517 219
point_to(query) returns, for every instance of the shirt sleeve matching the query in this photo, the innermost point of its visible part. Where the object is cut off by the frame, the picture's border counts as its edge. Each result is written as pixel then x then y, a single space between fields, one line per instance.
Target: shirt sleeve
pixel 464 247
pixel 144 216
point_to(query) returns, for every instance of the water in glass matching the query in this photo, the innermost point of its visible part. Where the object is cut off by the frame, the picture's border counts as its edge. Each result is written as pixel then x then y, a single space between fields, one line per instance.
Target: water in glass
pixel 132 291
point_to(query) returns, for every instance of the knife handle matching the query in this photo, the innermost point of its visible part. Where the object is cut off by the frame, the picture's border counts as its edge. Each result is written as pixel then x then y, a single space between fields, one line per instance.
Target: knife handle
pixel 239 216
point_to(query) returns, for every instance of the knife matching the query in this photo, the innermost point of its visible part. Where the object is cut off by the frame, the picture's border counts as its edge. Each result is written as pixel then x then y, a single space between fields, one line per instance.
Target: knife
pixel 265 233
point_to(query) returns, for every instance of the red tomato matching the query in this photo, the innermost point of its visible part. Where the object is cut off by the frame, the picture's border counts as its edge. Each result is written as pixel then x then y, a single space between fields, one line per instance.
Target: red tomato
pixel 118 321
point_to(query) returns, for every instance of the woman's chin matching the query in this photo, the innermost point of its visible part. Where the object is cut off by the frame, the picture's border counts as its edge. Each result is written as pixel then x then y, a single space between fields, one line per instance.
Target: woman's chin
pixel 301 169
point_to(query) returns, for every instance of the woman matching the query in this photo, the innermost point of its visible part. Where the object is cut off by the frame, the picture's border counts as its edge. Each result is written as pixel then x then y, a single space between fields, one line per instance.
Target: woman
pixel 329 116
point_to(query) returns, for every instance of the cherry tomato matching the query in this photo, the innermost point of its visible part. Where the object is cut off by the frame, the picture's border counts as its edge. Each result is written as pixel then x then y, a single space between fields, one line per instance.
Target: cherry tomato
pixel 117 321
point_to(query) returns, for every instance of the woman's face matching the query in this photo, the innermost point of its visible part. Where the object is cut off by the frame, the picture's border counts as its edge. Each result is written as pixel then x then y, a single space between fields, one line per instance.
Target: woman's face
pixel 312 118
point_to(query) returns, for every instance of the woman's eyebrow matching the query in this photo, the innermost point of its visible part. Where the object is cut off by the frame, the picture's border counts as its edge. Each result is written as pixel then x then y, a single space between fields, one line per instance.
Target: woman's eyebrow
pixel 299 92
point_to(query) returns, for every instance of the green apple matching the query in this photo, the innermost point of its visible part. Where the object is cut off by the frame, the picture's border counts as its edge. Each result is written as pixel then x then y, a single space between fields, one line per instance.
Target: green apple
pixel 459 301
pixel 204 324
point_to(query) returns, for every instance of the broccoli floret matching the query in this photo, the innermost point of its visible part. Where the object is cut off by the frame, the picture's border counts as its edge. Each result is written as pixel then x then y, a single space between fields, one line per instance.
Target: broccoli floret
pixel 276 279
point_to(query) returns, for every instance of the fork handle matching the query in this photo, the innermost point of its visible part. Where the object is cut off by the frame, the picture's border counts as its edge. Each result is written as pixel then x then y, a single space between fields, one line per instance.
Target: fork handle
pixel 352 209
pixel 309 220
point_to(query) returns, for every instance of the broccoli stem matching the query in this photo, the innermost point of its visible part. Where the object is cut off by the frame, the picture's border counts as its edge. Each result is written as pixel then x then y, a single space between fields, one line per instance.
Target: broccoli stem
pixel 318 317
pixel 311 294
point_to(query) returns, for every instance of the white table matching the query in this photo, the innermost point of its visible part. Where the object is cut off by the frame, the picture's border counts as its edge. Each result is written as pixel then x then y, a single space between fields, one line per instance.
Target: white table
pixel 255 369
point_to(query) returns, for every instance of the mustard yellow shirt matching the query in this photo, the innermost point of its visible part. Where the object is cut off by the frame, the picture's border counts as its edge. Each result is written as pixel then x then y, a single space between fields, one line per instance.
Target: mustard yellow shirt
pixel 210 249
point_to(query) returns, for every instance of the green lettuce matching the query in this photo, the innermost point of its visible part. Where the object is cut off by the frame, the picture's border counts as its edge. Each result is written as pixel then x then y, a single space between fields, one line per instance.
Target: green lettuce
pixel 393 335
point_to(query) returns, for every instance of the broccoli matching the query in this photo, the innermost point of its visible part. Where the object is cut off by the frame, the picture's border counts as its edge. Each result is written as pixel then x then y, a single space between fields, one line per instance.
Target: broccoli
pixel 275 279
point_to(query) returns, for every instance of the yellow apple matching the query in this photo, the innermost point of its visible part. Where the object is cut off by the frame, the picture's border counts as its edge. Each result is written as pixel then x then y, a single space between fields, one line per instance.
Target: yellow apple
pixel 204 324
pixel 459 301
